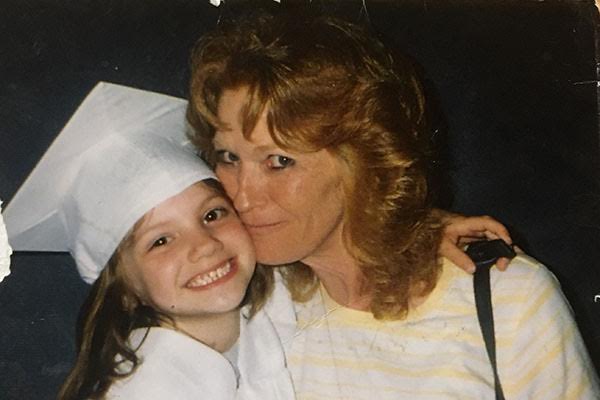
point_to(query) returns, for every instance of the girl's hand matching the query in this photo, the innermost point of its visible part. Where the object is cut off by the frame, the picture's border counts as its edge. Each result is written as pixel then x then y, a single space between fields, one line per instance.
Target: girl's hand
pixel 460 230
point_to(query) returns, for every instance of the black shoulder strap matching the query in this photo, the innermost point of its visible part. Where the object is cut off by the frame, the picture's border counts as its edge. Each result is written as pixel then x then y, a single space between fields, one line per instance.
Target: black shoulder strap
pixel 485 254
pixel 483 302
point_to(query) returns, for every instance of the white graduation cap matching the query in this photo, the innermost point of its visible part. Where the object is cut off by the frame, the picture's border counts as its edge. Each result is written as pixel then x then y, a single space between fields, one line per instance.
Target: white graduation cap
pixel 123 152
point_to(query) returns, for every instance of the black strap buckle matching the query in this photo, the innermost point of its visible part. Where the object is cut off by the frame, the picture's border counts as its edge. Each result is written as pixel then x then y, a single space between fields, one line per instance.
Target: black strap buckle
pixel 488 251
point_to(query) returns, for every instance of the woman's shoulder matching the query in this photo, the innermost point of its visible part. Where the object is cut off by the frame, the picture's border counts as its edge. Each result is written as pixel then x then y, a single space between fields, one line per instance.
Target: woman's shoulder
pixel 527 293
pixel 526 285
pixel 523 273
pixel 173 365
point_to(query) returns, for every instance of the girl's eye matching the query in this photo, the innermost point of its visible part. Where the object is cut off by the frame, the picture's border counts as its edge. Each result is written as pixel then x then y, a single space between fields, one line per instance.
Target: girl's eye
pixel 226 157
pixel 280 162
pixel 161 241
pixel 215 214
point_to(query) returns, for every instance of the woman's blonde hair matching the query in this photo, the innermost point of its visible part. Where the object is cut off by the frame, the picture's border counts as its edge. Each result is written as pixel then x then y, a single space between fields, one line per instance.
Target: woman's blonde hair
pixel 112 310
pixel 329 84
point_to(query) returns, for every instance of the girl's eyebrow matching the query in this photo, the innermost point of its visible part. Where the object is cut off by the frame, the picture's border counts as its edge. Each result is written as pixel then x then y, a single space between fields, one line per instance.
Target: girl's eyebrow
pixel 137 227
pixel 210 197
pixel 142 227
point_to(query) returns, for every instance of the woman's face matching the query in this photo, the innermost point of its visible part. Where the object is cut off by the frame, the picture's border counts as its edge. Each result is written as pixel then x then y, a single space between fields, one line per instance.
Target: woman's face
pixel 290 203
pixel 190 256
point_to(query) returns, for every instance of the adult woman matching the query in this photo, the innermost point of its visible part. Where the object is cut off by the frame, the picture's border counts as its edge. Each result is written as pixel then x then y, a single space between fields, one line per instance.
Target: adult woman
pixel 319 137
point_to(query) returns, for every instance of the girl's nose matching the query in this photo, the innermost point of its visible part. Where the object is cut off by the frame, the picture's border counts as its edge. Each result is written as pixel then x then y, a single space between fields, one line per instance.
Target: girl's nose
pixel 203 244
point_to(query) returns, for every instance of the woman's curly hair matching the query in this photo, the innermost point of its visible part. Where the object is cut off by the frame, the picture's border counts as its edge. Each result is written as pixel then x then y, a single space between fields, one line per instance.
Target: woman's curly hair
pixel 330 84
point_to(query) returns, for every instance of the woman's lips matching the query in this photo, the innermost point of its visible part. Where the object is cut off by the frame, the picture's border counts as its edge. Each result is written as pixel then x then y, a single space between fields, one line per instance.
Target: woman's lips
pixel 262 228
pixel 214 277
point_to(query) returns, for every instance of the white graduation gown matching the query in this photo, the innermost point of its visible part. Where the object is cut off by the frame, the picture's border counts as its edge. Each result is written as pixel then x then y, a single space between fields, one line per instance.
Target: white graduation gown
pixel 175 366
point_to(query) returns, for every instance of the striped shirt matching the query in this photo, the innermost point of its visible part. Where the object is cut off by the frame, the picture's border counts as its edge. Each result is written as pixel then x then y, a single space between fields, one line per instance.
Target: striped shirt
pixel 438 352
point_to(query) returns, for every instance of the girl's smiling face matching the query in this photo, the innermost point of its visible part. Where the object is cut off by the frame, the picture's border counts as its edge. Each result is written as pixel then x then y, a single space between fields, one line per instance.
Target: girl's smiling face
pixel 190 256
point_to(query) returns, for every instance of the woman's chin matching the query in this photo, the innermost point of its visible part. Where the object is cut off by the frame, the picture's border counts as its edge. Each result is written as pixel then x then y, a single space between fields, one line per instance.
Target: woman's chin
pixel 274 258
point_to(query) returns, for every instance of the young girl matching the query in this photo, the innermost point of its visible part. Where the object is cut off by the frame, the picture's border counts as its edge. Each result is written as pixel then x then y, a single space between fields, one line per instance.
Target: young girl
pixel 146 221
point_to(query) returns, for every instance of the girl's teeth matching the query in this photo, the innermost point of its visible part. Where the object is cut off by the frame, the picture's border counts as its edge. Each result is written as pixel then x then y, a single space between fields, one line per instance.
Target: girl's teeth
pixel 210 277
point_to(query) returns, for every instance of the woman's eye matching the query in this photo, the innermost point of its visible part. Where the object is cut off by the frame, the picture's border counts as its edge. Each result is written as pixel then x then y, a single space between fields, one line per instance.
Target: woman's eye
pixel 280 162
pixel 215 214
pixel 226 157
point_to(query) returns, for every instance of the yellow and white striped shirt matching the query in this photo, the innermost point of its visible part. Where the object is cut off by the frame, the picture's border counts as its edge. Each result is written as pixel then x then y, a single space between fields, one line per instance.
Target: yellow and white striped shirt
pixel 438 352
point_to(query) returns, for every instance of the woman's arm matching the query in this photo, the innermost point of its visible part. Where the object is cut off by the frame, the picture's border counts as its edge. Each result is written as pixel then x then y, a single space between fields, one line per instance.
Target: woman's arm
pixel 541 354
pixel 460 230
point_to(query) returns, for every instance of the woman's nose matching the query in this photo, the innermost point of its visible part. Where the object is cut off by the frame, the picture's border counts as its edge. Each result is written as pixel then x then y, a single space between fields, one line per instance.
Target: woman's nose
pixel 249 191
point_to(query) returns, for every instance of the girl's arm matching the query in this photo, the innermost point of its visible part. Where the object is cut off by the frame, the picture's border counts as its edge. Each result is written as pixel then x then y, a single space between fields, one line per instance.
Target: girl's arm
pixel 460 230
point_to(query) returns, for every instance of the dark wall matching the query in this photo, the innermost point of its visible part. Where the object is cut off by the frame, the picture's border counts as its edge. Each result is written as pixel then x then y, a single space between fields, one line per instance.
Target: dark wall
pixel 516 83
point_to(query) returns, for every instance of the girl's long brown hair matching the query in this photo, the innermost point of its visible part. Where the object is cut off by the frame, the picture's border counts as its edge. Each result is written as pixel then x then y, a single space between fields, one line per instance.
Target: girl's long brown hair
pixel 107 317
